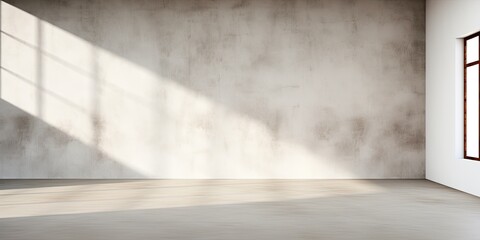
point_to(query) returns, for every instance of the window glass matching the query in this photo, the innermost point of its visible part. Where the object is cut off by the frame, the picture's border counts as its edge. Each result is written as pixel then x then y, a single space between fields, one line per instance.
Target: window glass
pixel 472 49
pixel 472 111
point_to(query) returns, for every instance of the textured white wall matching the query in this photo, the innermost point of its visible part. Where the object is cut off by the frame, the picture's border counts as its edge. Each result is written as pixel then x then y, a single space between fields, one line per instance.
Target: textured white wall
pixel 212 89
pixel 447 22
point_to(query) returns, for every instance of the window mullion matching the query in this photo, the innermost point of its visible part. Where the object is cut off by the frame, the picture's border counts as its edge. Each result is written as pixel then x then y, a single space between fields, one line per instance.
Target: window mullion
pixel 465 98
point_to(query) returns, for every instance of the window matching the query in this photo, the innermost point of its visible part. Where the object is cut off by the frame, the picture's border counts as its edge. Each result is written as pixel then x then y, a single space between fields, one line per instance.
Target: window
pixel 471 120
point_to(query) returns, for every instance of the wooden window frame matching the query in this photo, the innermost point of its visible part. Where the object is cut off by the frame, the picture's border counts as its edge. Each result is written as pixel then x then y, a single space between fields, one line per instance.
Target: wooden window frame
pixel 465 66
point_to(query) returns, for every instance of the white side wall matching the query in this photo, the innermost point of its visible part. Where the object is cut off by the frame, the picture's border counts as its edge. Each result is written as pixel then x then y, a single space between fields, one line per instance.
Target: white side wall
pixel 447 22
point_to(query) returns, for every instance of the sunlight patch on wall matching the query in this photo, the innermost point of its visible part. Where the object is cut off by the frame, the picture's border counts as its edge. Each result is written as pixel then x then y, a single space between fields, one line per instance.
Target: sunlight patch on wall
pixel 135 116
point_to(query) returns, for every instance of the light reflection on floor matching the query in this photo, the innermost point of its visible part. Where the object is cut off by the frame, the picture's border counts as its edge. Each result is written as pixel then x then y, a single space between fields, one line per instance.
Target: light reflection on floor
pixel 46 197
pixel 235 209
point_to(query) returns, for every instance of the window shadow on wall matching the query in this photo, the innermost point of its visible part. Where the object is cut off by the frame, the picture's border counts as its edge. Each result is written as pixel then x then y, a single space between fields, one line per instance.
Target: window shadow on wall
pixel 35 149
pixel 256 82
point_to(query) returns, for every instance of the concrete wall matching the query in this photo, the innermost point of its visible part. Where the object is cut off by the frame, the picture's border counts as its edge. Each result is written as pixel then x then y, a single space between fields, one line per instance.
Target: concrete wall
pixel 212 89
pixel 447 23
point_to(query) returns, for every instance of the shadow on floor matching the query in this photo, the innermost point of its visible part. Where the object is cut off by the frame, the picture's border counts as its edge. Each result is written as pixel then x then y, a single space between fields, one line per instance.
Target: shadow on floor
pixel 263 210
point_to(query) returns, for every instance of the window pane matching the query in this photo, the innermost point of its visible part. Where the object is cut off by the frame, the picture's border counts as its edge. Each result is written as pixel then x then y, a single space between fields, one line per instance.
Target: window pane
pixel 472 111
pixel 472 49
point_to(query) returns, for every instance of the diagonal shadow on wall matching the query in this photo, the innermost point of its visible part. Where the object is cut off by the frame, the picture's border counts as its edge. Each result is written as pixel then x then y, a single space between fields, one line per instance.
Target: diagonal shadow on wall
pixel 25 146
pixel 282 64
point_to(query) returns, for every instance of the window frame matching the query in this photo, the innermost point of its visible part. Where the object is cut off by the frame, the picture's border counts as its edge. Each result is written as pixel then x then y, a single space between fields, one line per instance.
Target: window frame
pixel 465 66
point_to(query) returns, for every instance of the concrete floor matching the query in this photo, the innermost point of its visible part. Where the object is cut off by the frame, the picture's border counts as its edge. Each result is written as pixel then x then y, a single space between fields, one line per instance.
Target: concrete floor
pixel 234 209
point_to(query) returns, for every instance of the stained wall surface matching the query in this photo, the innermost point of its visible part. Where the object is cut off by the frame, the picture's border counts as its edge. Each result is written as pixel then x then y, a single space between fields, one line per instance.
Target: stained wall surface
pixel 212 89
